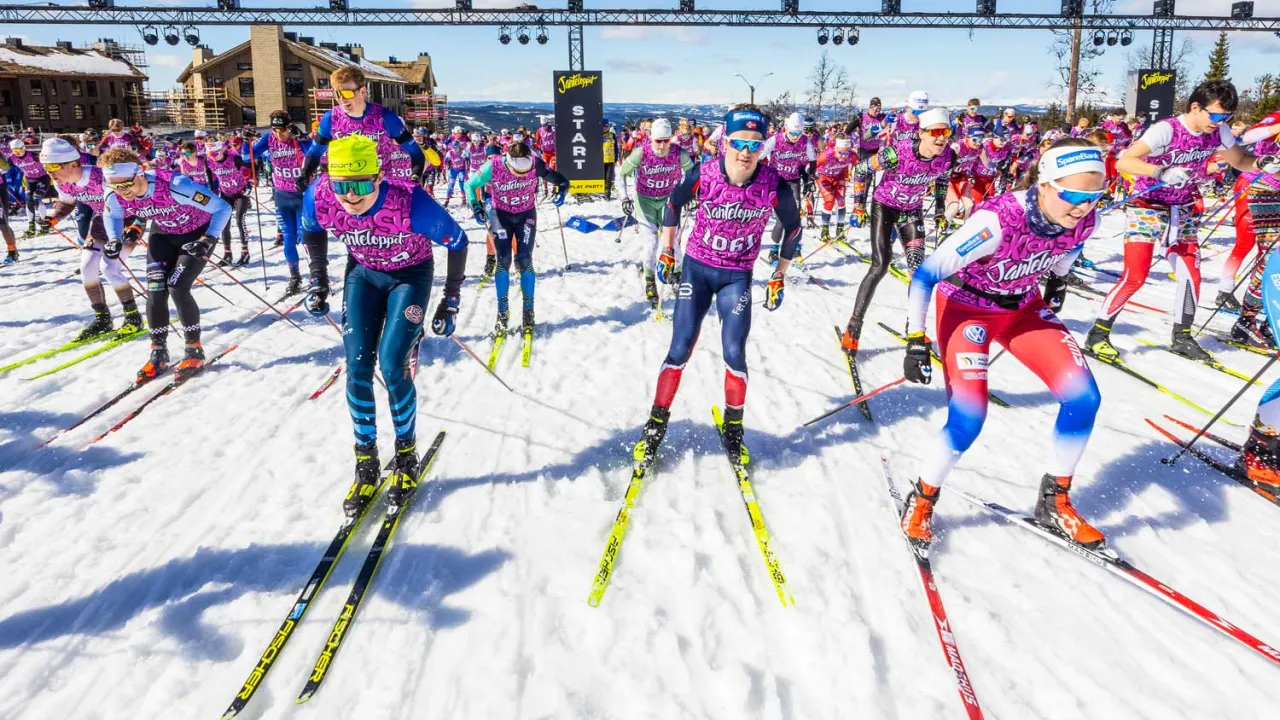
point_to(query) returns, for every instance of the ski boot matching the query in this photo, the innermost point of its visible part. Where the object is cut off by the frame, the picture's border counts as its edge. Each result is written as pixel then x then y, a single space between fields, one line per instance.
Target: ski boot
pixel 1186 346
pixel 366 483
pixel 225 261
pixel 655 429
pixel 526 320
pixel 192 363
pixel 31 230
pixel 917 517
pixel 490 264
pixel 404 473
pixel 1227 302
pixel 1248 331
pixel 279 241
pixel 651 289
pixel 773 255
pixel 244 256
pixel 1072 279
pixel 733 436
pixel 500 326
pixel 11 257
pixel 825 234
pixel 1098 343
pixel 295 284
pixel 100 326
pixel 840 234
pixel 133 323
pixel 1260 461
pixel 1055 512
pixel 155 365
pixel 852 333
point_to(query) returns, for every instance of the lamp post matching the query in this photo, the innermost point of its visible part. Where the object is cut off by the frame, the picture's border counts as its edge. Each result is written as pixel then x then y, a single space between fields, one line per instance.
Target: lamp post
pixel 753 87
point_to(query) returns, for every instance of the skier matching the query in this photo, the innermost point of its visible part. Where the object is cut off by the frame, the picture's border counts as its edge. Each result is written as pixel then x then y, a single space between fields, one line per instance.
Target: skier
pixel 966 188
pixel 793 156
pixel 736 196
pixel 833 173
pixel 81 189
pixel 1262 217
pixel 388 230
pixel 610 158
pixel 39 187
pixel 987 274
pixel 872 124
pixel 186 222
pixel 455 163
pixel 1260 460
pixel 658 169
pixel 907 124
pixel 909 166
pixel 1167 162
pixel 192 164
pixel 285 151
pixel 970 119
pixel 354 113
pixel 513 186
pixel 10 242
pixel 117 136
pixel 545 142
pixel 230 182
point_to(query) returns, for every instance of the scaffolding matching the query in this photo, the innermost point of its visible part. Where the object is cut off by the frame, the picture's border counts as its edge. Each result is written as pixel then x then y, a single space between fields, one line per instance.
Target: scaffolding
pixel 136 109
pixel 181 109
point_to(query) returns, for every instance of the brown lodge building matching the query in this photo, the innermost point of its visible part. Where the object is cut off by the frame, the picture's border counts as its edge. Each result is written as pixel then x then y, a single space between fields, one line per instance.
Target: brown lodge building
pixel 274 69
pixel 66 89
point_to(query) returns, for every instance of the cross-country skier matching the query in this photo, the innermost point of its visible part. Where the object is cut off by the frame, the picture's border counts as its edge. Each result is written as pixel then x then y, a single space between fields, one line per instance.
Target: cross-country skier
pixel 1260 460
pixel 869 143
pixel 456 165
pixel 793 155
pixel 658 168
pixel 118 136
pixel 286 152
pixel 39 186
pixel 987 274
pixel 186 220
pixel 388 230
pixel 833 166
pixel 1261 194
pixel 231 182
pixel 191 163
pixel 968 186
pixel 737 195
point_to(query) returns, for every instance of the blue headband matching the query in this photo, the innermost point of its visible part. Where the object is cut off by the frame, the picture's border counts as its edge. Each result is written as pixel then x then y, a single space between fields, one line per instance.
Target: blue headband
pixel 750 120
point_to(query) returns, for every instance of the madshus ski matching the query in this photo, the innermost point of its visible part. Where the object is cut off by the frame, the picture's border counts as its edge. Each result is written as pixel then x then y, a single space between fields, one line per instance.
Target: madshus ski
pixel 940 622
pixel 863 407
pixel 342 626
pixel 1225 468
pixel 1113 563
pixel 300 606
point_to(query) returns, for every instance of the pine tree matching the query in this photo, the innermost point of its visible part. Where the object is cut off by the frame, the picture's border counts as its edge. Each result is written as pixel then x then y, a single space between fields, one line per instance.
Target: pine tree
pixel 1268 97
pixel 1219 60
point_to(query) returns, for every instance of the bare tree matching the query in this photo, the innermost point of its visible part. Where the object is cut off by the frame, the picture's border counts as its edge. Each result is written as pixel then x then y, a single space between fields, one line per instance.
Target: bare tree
pixel 845 102
pixel 825 81
pixel 1139 57
pixel 781 106
pixel 1077 73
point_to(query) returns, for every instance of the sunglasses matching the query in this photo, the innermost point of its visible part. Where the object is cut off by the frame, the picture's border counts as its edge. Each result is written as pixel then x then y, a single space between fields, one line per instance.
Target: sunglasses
pixel 53 167
pixel 914 111
pixel 742 145
pixel 662 141
pixel 357 187
pixel 1076 197
pixel 1220 117
pixel 347 94
pixel 187 153
pixel 122 184
pixel 939 132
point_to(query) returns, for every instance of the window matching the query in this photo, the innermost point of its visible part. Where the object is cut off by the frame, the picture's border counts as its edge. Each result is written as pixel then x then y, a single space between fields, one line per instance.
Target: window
pixel 93 88
pixel 77 88
pixel 79 111
pixel 293 67
pixel 53 88
pixel 215 82
pixel 298 113
pixel 6 99
pixel 115 110
pixel 55 112
pixel 93 112
pixel 36 89
pixel 35 112
pixel 244 66
pixel 293 87
pixel 250 116
pixel 322 82
pixel 246 87
pixel 111 85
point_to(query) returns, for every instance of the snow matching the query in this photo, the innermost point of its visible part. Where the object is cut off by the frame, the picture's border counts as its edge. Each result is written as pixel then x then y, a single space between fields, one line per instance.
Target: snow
pixel 82 62
pixel 144 574
pixel 370 69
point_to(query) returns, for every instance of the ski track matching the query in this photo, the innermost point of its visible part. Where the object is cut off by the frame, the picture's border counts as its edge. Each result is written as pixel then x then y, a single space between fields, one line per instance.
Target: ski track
pixel 145 573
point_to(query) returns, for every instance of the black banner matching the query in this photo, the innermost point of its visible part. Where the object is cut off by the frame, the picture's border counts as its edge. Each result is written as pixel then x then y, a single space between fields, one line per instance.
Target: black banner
pixel 580 129
pixel 1154 93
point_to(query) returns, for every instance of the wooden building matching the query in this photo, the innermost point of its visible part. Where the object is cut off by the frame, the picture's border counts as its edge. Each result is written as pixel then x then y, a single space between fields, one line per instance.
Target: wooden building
pixel 68 89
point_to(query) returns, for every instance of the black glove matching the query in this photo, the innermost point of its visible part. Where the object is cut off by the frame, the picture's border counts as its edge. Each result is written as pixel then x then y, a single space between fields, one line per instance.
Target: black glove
pixel 317 299
pixel 446 316
pixel 301 185
pixel 1055 292
pixel 628 207
pixel 111 249
pixel 200 248
pixel 806 186
pixel 916 364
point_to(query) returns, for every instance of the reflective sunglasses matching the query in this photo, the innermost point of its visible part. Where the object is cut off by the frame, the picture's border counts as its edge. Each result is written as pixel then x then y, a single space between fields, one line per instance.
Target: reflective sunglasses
pixel 914 111
pixel 357 187
pixel 347 94
pixel 742 145
pixel 1076 197
pixel 1220 117
pixel 188 153
pixel 662 141
pixel 939 132
pixel 53 167
pixel 122 184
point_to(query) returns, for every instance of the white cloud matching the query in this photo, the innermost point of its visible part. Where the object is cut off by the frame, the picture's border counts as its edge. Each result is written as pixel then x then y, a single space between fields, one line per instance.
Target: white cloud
pixel 642 67
pixel 684 35
pixel 170 61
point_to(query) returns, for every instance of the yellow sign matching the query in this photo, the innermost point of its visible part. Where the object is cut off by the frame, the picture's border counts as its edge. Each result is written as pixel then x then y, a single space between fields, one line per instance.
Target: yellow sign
pixel 1155 78
pixel 586 186
pixel 577 80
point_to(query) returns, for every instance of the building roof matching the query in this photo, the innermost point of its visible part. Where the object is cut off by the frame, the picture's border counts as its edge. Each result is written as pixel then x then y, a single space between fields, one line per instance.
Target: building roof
pixel 39 60
pixel 325 58
pixel 416 72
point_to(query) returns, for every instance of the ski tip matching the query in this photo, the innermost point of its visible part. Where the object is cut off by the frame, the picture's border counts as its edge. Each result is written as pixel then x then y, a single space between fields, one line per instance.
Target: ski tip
pixel 304 697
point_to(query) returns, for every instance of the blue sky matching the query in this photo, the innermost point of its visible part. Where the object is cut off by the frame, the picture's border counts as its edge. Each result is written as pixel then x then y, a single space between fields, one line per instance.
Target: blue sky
pixel 689 64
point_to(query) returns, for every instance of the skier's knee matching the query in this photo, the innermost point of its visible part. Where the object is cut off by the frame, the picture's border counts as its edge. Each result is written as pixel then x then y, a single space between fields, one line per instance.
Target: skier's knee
pixel 963 426
pixel 1079 409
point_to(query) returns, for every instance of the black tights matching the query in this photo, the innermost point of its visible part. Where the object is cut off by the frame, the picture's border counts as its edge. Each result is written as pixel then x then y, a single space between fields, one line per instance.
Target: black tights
pixel 239 205
pixel 910 225
pixel 170 272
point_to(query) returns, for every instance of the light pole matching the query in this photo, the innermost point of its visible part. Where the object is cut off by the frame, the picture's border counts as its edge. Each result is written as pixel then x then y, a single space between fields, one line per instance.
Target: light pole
pixel 753 87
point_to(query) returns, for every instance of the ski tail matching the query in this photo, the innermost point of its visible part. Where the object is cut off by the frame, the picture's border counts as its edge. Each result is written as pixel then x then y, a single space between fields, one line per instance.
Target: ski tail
pixel 863 407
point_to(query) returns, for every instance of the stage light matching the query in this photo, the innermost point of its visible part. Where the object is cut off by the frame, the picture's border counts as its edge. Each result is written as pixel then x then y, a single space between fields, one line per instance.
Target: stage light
pixel 822 36
pixel 542 35
pixel 837 37
pixel 171 35
pixel 522 34
pixel 852 36
pixel 1112 38
pixel 150 35
pixel 504 36
pixel 191 35
pixel 1126 38
pixel 1099 38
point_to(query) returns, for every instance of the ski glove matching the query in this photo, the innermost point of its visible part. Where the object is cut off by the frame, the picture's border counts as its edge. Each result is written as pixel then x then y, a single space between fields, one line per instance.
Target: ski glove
pixel 317 299
pixel 667 265
pixel 477 211
pixel 1269 164
pixel 940 223
pixel 559 198
pixel 111 249
pixel 1173 176
pixel 858 218
pixel 133 233
pixel 446 316
pixel 200 248
pixel 916 364
pixel 773 291
pixel 1055 292
pixel 628 207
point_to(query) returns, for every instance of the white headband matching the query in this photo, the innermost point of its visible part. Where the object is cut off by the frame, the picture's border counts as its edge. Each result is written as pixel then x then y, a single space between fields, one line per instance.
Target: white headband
pixel 843 143
pixel 121 169
pixel 1059 162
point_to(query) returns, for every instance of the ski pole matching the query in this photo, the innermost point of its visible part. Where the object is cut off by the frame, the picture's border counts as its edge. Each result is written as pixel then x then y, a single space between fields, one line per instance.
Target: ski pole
pixel 139 286
pixel 1243 276
pixel 1174 458
pixel 1131 198
pixel 563 247
pixel 482 363
pixel 1221 220
pixel 259 298
pixel 257 211
pixel 856 401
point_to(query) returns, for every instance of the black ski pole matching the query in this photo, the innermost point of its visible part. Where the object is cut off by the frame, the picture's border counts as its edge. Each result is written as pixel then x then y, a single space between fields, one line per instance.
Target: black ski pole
pixel 1244 276
pixel 257 207
pixel 1174 458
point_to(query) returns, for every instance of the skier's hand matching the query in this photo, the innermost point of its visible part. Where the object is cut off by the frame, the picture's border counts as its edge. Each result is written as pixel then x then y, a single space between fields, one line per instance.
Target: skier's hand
pixel 628 207
pixel 477 212
pixel 200 248
pixel 317 299
pixel 111 249
pixel 559 198
pixel 1173 176
pixel 916 364
pixel 858 218
pixel 1269 164
pixel 940 223
pixel 773 291
pixel 1055 292
pixel 667 265
pixel 446 316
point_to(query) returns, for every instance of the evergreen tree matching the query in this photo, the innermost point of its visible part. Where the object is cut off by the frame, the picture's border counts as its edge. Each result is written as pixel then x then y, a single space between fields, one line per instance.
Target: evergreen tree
pixel 1219 60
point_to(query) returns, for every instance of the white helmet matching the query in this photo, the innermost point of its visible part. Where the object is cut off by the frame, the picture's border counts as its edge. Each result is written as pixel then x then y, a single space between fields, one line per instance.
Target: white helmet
pixel 918 100
pixel 660 129
pixel 457 129
pixel 57 150
pixel 934 116
pixel 505 131
pixel 200 134
pixel 794 123
pixel 16 144
pixel 476 137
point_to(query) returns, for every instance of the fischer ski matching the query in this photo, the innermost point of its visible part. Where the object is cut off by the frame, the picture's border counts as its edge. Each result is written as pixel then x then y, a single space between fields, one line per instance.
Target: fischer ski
pixel 1123 367
pixel 526 346
pixel 65 347
pixel 342 626
pixel 1228 340
pixel 1110 561
pixel 300 606
pixel 761 532
pixel 499 339
pixel 938 361
pixel 329 381
pixel 939 612
pixel 863 407
pixel 1214 364
pixel 639 471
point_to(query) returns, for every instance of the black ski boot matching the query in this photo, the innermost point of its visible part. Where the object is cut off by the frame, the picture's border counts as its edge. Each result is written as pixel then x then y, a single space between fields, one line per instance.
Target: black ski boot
pixel 100 326
pixel 1186 346
pixel 500 326
pixel 733 436
pixel 526 320
pixel 295 284
pixel 1248 331
pixel 11 257
pixel 133 322
pixel 1228 302
pixel 651 289
pixel 1098 342
pixel 655 429
pixel 490 264
pixel 155 365
pixel 244 256
pixel 404 473
pixel 226 260
pixel 366 482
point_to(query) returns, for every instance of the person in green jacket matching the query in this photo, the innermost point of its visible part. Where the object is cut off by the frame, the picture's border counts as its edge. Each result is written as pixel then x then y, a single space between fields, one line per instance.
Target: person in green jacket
pixel 658 168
